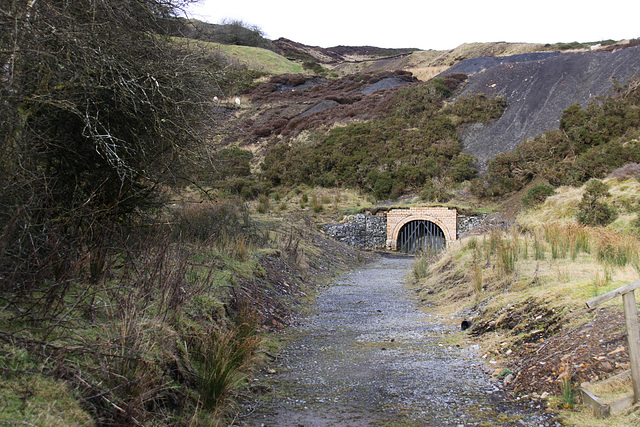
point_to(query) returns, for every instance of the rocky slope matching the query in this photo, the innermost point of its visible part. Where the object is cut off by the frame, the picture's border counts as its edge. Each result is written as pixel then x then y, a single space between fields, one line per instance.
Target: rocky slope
pixel 537 83
pixel 538 87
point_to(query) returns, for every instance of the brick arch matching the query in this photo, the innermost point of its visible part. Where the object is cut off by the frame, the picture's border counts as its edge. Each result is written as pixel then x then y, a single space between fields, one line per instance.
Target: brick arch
pixel 444 218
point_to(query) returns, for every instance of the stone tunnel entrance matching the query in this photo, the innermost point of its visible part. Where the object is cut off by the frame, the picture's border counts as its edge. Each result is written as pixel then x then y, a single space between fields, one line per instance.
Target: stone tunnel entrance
pixel 416 229
pixel 420 237
pixel 410 230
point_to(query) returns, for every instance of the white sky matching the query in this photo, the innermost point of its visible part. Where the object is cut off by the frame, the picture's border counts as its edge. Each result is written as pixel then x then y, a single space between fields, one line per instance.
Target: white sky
pixel 428 24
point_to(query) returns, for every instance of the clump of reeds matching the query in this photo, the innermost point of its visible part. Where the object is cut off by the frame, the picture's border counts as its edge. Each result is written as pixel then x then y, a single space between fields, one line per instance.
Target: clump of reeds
pixel 221 359
pixel 421 266
pixel 263 205
pixel 476 271
pixel 507 251
pixel 538 247
pixel 568 393
pixel 563 240
pixel 617 250
pixel 237 246
pixel 316 204
pixel 304 199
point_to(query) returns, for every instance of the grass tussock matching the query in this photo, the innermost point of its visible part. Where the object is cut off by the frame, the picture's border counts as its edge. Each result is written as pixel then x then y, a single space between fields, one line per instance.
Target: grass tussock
pixel 222 358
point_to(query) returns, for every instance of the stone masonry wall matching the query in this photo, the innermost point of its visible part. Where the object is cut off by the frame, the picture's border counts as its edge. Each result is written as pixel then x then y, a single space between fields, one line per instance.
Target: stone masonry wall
pixel 360 231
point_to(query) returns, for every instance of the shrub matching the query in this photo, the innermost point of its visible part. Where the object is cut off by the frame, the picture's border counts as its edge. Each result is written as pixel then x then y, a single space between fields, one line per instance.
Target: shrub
pixel 96 118
pixel 537 194
pixel 478 188
pixel 593 211
pixel 382 187
pixel 210 223
pixel 263 204
pixel 477 108
pixel 434 193
pixel 247 188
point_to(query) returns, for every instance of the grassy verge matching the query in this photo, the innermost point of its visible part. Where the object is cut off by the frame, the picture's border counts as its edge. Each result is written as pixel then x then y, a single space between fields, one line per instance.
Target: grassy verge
pixel 524 290
pixel 165 324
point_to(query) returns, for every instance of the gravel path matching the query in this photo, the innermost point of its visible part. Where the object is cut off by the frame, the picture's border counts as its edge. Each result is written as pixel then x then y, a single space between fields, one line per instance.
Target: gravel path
pixel 368 356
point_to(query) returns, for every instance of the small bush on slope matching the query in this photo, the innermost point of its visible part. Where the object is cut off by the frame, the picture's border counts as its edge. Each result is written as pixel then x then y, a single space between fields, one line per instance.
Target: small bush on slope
pixel 537 195
pixel 592 210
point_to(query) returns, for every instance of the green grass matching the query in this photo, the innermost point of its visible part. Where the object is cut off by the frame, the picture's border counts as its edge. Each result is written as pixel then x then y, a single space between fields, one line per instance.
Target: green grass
pixel 259 59
pixel 28 398
pixel 254 58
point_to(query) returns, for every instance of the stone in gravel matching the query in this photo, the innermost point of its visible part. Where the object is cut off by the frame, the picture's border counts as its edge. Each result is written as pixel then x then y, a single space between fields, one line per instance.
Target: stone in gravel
pixel 508 379
pixel 606 366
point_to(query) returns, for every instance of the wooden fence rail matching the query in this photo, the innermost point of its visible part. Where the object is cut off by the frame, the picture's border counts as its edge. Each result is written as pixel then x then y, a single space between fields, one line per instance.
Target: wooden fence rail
pixel 633 333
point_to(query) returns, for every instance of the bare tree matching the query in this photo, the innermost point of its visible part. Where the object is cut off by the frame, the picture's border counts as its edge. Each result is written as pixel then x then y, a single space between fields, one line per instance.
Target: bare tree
pixel 95 110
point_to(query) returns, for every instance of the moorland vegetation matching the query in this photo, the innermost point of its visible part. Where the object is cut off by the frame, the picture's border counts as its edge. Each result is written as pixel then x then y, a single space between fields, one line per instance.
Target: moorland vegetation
pixel 153 234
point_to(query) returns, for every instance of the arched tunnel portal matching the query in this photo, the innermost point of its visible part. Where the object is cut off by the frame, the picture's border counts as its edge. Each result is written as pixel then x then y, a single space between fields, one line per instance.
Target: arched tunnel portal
pixel 420 237
pixel 420 229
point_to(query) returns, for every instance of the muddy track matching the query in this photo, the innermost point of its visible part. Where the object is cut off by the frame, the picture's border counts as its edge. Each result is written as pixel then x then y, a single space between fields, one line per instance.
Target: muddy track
pixel 367 356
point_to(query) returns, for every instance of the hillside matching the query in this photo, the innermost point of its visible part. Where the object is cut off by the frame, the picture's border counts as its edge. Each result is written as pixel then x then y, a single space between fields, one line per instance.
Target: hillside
pixel 424 64
pixel 538 87
pixel 295 115
pixel 258 59
pixel 537 84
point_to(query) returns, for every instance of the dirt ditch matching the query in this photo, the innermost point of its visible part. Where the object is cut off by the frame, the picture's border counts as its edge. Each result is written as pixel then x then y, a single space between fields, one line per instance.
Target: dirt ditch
pixel 367 356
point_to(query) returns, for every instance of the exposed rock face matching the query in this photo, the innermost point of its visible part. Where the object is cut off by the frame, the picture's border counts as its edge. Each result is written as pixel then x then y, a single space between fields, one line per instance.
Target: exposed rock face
pixel 538 87
pixel 387 83
pixel 360 231
pixel 337 54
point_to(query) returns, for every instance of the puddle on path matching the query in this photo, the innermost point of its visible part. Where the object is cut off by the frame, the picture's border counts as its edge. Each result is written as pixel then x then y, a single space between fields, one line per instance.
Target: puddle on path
pixel 369 357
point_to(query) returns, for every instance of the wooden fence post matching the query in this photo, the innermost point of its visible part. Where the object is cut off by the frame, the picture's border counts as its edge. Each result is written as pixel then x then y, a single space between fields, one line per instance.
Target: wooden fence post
pixel 633 329
pixel 633 337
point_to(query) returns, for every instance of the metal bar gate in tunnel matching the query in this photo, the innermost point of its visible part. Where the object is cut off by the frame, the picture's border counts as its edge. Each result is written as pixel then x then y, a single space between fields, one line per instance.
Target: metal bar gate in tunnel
pixel 421 236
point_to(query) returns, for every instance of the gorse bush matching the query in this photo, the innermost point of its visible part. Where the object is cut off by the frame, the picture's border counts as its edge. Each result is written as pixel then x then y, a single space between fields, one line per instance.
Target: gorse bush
pixel 432 192
pixel 537 195
pixel 592 210
pixel 476 108
pixel 97 117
